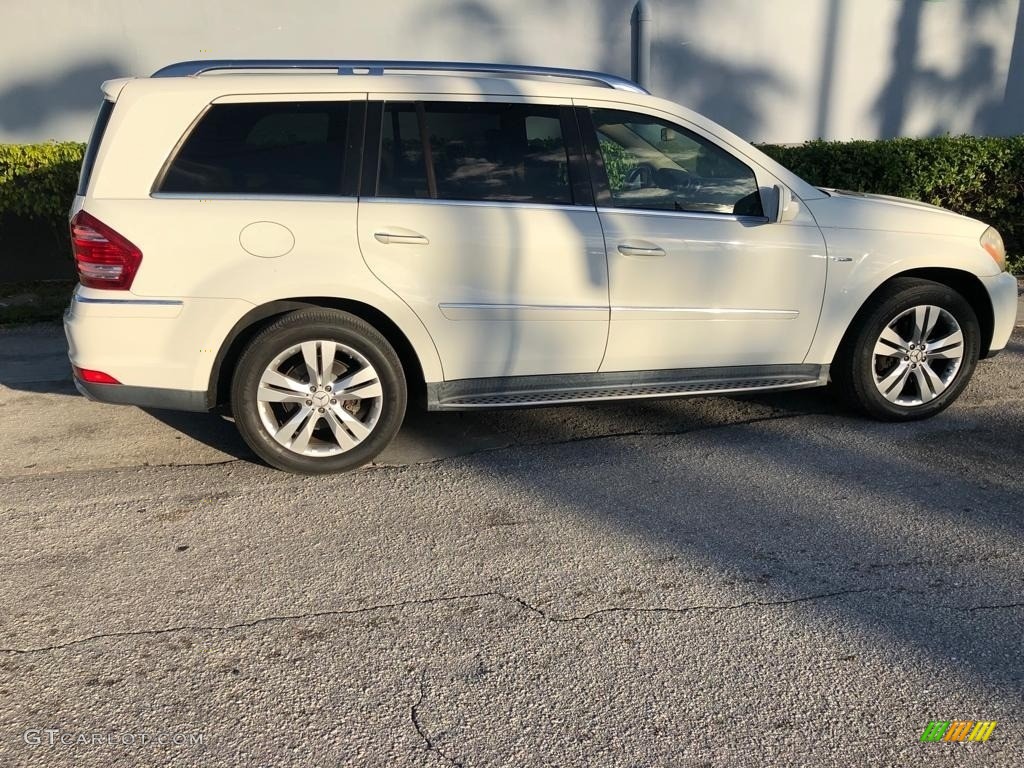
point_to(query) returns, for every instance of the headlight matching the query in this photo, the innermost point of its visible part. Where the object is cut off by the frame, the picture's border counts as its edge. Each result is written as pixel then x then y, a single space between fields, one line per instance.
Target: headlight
pixel 993 243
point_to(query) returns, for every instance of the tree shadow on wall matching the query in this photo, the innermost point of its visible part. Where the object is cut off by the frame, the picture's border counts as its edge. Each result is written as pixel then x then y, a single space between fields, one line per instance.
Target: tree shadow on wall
pixel 728 92
pixel 717 86
pixel 31 103
pixel 908 81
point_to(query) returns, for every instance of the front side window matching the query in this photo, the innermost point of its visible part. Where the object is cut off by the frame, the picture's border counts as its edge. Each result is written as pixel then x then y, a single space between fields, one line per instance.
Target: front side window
pixel 474 151
pixel 653 164
pixel 266 148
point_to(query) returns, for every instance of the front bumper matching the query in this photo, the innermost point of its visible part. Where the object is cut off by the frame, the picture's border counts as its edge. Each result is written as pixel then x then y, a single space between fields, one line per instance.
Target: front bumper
pixel 1002 291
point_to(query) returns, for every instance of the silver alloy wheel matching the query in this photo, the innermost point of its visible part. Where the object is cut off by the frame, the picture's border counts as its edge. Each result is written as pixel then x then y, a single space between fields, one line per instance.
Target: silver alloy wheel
pixel 319 398
pixel 918 355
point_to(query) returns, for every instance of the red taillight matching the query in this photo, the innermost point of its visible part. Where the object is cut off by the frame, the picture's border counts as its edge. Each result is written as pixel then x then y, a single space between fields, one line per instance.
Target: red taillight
pixel 94 377
pixel 104 258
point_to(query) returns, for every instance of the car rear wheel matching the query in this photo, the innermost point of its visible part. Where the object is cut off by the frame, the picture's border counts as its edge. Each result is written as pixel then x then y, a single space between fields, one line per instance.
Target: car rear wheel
pixel 910 353
pixel 318 391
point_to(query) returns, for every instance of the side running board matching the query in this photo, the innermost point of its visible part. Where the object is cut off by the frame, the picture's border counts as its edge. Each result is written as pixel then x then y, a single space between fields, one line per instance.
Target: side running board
pixel 515 391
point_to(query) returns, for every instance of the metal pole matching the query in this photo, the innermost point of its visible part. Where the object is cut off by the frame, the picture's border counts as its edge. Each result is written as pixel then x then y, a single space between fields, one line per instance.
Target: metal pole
pixel 642 52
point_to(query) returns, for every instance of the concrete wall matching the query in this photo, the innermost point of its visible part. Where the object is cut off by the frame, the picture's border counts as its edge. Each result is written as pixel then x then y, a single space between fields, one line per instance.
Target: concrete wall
pixel 782 71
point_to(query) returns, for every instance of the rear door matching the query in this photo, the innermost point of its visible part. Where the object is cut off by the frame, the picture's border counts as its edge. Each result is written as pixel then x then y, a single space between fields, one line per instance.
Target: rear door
pixel 479 215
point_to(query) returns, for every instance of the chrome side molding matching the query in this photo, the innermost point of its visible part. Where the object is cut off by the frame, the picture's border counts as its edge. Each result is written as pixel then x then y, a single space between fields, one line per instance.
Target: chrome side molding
pixel 356 67
pixel 128 302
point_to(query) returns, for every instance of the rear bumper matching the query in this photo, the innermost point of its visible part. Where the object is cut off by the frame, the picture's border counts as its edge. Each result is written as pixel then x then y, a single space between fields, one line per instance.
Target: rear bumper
pixel 143 397
pixel 1002 291
pixel 161 350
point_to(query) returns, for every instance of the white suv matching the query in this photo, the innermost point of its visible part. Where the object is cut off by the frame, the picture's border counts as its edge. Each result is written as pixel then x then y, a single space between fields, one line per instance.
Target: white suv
pixel 305 242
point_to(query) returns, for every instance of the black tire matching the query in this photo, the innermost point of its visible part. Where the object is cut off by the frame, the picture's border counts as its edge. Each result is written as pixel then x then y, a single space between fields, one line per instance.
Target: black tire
pixel 309 325
pixel 854 366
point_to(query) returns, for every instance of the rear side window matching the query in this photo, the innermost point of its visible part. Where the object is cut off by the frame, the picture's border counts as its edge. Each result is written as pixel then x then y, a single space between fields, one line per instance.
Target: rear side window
pixel 478 151
pixel 266 148
pixel 93 147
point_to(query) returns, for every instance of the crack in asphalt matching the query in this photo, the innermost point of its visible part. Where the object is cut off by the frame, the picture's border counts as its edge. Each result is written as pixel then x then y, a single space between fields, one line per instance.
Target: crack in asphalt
pixel 707 608
pixel 530 608
pixel 997 607
pixel 250 623
pixel 414 715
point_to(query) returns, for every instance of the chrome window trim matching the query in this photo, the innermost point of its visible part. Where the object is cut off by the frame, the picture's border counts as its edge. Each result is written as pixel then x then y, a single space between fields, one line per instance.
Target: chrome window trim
pixel 244 196
pixel 687 214
pixel 478 203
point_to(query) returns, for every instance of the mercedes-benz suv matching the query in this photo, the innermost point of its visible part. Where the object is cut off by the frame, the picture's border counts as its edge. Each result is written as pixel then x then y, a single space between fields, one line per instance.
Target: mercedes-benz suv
pixel 303 243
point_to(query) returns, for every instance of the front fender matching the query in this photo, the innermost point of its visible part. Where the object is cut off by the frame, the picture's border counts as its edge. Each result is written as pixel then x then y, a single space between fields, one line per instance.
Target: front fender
pixel 860 261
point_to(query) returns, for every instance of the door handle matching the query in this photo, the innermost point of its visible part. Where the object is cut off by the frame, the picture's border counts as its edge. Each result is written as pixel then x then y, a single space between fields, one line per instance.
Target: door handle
pixel 400 236
pixel 641 248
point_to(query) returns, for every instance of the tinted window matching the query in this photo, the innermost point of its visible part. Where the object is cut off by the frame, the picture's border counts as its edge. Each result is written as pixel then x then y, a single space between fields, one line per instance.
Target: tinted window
pixel 455 151
pixel 279 148
pixel 657 165
pixel 94 145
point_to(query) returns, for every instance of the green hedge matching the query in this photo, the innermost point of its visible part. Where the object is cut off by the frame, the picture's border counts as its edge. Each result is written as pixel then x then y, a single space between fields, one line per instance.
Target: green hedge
pixel 38 181
pixel 37 185
pixel 979 177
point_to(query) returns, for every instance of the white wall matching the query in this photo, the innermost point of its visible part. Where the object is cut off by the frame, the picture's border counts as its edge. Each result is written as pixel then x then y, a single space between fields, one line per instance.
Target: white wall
pixel 783 71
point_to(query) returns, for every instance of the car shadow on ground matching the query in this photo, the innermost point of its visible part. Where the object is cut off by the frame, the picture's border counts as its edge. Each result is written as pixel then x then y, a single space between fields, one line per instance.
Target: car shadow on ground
pixel 429 435
pixel 210 429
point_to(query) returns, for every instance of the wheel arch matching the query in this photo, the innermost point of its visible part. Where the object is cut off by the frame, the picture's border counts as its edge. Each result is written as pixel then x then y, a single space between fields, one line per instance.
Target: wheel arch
pixel 965 283
pixel 258 318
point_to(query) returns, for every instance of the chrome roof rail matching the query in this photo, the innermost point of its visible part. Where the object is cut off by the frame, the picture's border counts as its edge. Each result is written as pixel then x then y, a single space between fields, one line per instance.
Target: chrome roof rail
pixel 352 67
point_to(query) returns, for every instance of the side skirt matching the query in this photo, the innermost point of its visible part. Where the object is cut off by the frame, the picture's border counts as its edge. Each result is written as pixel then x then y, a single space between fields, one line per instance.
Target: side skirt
pixel 522 391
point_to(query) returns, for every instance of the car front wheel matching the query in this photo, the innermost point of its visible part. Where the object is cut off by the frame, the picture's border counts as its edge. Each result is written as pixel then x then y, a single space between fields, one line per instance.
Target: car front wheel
pixel 910 353
pixel 318 391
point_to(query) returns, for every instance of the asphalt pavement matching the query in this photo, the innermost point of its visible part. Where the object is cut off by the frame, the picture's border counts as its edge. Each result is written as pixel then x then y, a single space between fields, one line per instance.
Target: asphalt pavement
pixel 744 581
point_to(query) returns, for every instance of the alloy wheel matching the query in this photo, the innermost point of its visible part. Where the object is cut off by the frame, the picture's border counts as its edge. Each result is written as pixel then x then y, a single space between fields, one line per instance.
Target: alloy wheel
pixel 319 398
pixel 917 355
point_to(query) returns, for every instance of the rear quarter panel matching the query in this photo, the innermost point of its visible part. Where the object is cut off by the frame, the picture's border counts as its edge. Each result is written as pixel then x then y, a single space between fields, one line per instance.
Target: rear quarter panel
pixel 192 249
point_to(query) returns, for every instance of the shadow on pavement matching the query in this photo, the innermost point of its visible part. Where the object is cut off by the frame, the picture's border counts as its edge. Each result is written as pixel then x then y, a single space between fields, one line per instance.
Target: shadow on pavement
pixel 213 430
pixel 428 436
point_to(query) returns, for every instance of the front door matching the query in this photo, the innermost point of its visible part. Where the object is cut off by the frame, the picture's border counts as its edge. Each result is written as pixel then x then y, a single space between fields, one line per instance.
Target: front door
pixel 698 275
pixel 475 221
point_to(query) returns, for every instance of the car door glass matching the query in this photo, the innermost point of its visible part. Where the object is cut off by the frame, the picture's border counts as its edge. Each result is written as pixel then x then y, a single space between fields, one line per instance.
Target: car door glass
pixel 474 151
pixel 653 164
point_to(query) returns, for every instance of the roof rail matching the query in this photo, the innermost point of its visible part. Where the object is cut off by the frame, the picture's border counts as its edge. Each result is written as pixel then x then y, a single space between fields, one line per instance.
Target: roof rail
pixel 352 67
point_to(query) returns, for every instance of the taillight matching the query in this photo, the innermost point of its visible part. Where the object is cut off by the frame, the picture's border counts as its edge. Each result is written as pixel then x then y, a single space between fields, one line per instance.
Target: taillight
pixel 104 258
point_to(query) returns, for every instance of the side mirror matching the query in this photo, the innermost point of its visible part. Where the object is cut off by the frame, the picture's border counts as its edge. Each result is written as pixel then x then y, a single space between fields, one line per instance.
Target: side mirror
pixel 786 208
